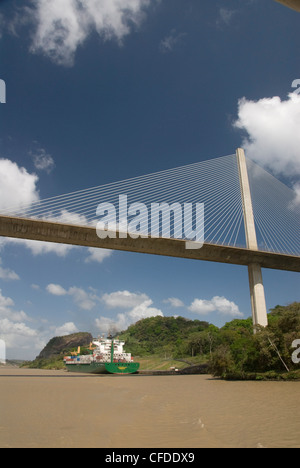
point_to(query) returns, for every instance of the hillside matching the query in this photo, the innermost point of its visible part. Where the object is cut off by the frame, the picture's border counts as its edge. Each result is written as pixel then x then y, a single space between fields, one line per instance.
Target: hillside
pixel 61 344
pixel 166 336
pixel 231 352
pixel 51 357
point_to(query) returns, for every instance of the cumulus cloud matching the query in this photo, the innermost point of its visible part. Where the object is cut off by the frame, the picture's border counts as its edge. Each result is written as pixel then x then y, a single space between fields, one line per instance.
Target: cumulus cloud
pixel 273 136
pixel 10 330
pixel 216 304
pixel 107 325
pixel 296 201
pixel 7 274
pixel 7 310
pixel 61 250
pixel 21 341
pixel 18 336
pixel 98 255
pixel 124 299
pixel 18 188
pixel 84 300
pixel 144 310
pixel 66 329
pixel 174 302
pixel 64 25
pixel 41 248
pixel 56 290
pixel 139 305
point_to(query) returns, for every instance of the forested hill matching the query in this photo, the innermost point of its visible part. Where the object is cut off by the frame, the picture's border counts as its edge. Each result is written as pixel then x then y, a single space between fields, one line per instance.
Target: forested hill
pixel 232 351
pixel 163 335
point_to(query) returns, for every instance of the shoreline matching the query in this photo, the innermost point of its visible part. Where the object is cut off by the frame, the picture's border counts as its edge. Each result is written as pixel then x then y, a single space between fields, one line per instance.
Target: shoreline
pixel 191 370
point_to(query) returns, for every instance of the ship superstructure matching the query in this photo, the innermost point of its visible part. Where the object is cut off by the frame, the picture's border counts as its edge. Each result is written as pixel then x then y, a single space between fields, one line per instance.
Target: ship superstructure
pixel 106 356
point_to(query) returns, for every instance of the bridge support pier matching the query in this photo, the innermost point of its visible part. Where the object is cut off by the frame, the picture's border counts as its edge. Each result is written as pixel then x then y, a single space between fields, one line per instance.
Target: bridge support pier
pixel 257 293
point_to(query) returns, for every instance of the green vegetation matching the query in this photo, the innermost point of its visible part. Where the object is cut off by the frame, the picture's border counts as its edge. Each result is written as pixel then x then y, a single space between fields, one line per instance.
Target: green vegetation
pixel 53 363
pixel 266 355
pixel 231 352
pixel 163 336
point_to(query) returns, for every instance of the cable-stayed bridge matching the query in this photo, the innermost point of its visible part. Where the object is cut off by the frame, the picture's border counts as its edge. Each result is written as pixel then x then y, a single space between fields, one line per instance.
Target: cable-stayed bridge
pixel 248 218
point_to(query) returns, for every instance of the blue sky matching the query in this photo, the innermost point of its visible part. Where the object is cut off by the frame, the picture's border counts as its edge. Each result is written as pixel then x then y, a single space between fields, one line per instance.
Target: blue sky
pixel 96 95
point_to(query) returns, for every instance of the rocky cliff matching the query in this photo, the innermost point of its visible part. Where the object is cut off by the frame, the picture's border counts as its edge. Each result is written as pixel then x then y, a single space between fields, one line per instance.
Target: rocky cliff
pixel 62 344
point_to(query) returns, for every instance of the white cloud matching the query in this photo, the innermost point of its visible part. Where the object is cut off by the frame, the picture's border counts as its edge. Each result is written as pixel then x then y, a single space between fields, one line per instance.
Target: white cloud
pixel 98 255
pixel 18 337
pixel 67 329
pixel 5 303
pixel 273 136
pixel 124 299
pixel 296 201
pixel 7 311
pixel 143 311
pixel 41 248
pixel 61 250
pixel 56 290
pixel 7 274
pixel 174 302
pixel 42 160
pixel 17 186
pixel 216 304
pixel 84 300
pixel 139 306
pixel 67 217
pixel 10 329
pixel 21 341
pixel 64 25
pixel 107 325
pixel 202 307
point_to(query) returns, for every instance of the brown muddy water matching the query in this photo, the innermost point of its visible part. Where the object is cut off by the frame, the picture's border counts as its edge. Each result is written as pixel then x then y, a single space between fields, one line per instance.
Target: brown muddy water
pixel 57 409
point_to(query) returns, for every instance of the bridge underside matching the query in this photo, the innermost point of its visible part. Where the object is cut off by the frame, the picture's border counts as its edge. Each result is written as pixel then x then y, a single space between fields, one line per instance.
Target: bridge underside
pixel 87 236
pixel 295 4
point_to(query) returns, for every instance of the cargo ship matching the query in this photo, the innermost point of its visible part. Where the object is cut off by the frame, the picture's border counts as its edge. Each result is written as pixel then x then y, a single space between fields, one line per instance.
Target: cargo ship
pixel 106 356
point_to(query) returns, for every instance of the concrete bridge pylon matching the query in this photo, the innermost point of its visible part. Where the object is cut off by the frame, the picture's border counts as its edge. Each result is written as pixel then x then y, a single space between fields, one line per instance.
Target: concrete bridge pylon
pixel 257 292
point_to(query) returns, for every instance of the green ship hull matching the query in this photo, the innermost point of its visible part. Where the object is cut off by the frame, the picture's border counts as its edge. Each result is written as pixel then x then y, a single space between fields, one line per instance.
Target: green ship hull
pixel 104 368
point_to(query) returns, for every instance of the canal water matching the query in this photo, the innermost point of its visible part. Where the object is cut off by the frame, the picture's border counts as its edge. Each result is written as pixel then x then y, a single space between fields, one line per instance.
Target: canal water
pixel 57 409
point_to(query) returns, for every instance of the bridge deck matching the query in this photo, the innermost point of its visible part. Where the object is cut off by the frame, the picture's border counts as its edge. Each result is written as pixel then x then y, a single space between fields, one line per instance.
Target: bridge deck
pixel 86 236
